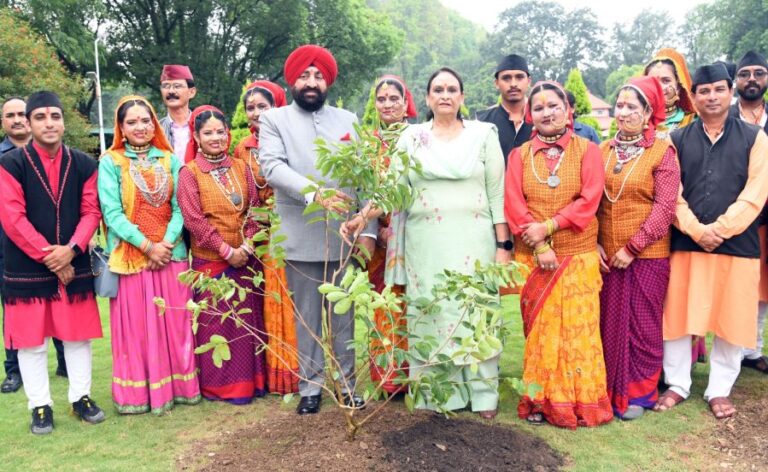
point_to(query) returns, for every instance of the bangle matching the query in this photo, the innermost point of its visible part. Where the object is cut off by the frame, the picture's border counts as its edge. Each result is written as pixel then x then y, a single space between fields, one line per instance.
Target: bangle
pixel 149 247
pixel 230 253
pixel 550 223
pixel 542 249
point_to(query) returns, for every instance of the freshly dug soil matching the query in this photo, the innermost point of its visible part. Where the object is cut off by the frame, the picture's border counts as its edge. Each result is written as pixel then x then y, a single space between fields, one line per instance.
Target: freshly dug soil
pixel 437 444
pixel 742 441
pixel 394 440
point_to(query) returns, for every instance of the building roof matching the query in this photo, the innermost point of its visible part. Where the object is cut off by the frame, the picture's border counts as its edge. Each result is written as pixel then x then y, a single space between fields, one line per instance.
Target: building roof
pixel 598 103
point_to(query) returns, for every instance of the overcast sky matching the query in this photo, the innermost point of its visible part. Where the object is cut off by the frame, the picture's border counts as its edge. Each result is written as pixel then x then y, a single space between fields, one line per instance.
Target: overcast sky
pixel 485 12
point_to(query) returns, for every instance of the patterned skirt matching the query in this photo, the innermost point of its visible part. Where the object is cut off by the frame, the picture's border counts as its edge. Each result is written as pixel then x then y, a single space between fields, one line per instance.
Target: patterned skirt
pixel 632 309
pixel 563 354
pixel 244 376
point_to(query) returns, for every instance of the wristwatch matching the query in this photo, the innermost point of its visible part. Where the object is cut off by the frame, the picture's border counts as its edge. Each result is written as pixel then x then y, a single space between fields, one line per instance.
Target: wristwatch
pixel 75 248
pixel 506 245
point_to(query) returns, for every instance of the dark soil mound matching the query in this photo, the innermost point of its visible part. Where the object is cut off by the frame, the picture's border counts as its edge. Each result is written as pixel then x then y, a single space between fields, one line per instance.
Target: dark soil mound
pixel 439 444
pixel 393 441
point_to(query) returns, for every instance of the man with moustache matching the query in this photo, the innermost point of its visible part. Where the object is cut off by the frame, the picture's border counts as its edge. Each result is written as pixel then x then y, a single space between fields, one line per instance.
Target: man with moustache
pixel 512 80
pixel 715 260
pixel 18 134
pixel 50 210
pixel 177 87
pixel 288 155
pixel 751 85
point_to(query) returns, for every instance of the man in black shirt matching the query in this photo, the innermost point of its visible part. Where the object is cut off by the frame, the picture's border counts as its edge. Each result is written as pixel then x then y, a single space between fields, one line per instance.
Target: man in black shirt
pixel 512 79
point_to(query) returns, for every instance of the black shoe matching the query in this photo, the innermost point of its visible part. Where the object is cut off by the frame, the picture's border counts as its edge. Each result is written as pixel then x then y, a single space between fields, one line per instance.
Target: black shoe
pixel 87 410
pixel 61 371
pixel 309 405
pixel 11 383
pixel 42 420
pixel 354 401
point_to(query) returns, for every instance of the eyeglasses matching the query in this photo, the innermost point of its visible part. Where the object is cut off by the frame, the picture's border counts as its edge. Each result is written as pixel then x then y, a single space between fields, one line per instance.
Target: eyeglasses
pixel 746 74
pixel 174 87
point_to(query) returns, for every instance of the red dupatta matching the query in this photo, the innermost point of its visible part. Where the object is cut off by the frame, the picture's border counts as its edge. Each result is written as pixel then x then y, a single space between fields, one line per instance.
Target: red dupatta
pixel 536 291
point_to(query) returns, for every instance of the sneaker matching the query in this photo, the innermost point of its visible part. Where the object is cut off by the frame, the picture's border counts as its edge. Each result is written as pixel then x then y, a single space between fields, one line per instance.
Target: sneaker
pixel 42 420
pixel 88 411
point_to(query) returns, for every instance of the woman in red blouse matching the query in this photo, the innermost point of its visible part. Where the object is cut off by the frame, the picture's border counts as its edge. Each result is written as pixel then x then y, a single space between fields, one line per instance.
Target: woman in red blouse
pixel 553 187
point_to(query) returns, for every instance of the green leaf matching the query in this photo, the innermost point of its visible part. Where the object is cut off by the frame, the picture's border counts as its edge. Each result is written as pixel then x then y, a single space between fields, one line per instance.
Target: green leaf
pixel 160 302
pixel 343 306
pixel 408 400
pixel 334 297
pixel 287 398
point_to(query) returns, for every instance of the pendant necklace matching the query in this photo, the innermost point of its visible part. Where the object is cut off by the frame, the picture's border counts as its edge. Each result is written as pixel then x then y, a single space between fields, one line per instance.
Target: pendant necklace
pixel 226 183
pixel 552 153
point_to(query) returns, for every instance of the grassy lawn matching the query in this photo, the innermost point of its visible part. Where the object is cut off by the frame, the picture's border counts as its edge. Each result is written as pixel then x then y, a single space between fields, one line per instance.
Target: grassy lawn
pixel 677 440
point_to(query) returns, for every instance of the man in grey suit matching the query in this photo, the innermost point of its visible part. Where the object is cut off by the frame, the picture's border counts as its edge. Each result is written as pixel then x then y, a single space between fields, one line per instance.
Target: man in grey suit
pixel 287 156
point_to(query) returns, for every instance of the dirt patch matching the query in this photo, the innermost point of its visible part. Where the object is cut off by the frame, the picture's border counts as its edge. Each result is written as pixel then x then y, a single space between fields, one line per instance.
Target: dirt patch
pixel 742 441
pixel 437 444
pixel 393 441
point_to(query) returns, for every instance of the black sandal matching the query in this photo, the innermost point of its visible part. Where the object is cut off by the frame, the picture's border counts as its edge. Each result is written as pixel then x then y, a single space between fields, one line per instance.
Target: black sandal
pixel 760 364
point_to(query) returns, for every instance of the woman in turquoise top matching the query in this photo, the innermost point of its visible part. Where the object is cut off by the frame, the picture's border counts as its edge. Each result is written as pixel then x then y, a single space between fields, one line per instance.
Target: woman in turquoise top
pixel 153 358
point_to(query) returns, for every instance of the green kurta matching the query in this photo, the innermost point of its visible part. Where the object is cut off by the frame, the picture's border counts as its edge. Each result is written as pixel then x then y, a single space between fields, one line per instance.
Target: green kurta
pixel 450 225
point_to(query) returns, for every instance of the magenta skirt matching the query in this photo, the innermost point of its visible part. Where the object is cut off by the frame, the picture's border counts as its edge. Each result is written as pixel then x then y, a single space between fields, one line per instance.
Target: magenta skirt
pixel 153 359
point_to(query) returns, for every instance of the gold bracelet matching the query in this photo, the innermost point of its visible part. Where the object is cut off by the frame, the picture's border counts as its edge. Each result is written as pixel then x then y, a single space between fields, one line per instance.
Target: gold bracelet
pixel 550 227
pixel 542 249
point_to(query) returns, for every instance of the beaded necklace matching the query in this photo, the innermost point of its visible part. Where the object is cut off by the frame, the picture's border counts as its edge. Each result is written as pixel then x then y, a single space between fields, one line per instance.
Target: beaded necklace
pixel 225 181
pixel 158 194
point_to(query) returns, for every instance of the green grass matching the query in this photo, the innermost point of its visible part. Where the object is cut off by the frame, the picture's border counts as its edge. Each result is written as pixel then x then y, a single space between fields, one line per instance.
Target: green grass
pixel 677 440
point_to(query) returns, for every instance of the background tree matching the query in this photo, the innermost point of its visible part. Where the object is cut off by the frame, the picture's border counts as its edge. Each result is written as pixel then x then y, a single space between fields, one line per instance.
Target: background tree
pixel 618 78
pixel 575 85
pixel 636 42
pixel 226 42
pixel 699 36
pixel 552 39
pixel 28 63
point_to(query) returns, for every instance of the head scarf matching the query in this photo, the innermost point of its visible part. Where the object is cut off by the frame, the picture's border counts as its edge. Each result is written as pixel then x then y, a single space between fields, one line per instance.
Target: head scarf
pixel 42 99
pixel 310 55
pixel 709 74
pixel 175 72
pixel 192 147
pixel 278 95
pixel 683 76
pixel 568 109
pixel 410 105
pixel 159 140
pixel 650 88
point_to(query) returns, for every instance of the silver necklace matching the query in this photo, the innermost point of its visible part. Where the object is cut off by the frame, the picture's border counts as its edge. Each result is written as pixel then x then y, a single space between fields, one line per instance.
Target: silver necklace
pixel 158 195
pixel 228 188
pixel 253 155
pixel 553 180
pixel 626 177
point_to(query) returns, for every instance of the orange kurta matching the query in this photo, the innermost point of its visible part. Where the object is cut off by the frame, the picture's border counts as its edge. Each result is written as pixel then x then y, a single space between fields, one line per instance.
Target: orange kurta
pixel 716 292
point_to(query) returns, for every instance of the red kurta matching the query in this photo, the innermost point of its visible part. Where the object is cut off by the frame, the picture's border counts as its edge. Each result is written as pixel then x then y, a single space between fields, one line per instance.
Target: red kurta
pixel 27 324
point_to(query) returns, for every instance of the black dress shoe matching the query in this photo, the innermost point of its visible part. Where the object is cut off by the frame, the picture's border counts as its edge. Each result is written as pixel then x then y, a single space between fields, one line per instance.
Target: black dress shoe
pixel 11 383
pixel 309 405
pixel 355 401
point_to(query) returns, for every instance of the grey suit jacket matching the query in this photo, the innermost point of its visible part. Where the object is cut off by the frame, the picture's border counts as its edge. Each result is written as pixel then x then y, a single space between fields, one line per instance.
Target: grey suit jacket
pixel 287 157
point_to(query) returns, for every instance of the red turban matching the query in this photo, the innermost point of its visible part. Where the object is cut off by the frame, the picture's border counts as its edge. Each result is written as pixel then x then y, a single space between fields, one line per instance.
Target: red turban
pixel 650 88
pixel 568 109
pixel 192 144
pixel 278 94
pixel 410 110
pixel 310 55
pixel 176 72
